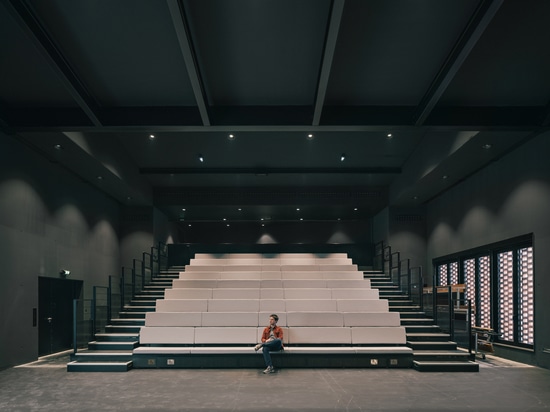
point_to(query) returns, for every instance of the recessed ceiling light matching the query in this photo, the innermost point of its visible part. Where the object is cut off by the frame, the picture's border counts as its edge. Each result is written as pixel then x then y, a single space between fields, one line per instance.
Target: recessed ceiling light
pixel 100 178
pixel 310 136
pixel 342 157
pixel 58 147
pixel 389 135
pixel 201 158
pixel 239 209
pixel 227 225
pixel 183 210
pixel 189 225
pixel 415 197
pixel 224 219
pixel 487 146
pixel 231 137
pixel 445 177
pixel 152 137
pixel 129 198
pixel 301 218
pixel 297 208
pixel 354 208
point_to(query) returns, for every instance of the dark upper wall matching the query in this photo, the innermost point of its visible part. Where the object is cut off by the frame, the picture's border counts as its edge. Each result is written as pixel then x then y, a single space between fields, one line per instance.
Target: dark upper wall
pixel 353 238
pixel 49 220
pixel 508 198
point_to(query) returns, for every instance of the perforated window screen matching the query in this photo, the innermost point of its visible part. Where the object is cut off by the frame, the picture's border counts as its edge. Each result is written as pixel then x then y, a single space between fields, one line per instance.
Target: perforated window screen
pixel 506 295
pixel 526 327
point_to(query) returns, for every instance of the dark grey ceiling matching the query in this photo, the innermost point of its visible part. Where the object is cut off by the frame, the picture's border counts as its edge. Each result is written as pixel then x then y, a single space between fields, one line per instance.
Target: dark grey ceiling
pixel 457 84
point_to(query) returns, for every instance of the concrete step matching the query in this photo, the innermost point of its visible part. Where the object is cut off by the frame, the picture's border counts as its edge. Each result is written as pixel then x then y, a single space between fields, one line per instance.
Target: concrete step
pixel 149 296
pixel 112 346
pixel 412 315
pixel 135 329
pixel 426 328
pixel 102 356
pixel 410 308
pixel 127 322
pixel 454 366
pixel 143 302
pixel 431 345
pixel 132 315
pixel 400 303
pixel 99 366
pixel 428 337
pixel 116 337
pixel 136 308
pixel 441 355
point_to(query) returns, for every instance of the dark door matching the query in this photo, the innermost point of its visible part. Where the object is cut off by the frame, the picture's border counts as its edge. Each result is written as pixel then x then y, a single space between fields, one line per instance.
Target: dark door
pixel 55 313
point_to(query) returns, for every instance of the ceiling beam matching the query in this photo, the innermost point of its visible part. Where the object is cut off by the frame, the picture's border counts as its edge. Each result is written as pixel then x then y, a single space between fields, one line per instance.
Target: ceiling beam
pixel 328 56
pixel 268 170
pixel 177 12
pixel 32 27
pixel 477 24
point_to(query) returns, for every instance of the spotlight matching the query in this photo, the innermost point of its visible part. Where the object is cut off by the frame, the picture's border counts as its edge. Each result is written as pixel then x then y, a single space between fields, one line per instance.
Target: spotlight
pixel 64 273
pixel 201 158
pixel 342 157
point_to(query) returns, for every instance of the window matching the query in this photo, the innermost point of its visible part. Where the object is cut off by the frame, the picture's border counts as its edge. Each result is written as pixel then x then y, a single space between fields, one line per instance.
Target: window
pixel 499 282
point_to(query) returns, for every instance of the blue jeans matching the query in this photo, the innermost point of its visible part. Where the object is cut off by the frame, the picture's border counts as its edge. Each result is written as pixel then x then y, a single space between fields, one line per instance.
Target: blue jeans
pixel 273 345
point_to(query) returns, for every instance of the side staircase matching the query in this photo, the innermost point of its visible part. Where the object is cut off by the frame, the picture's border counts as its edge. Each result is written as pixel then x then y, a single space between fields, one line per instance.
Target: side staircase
pixel 433 351
pixel 111 351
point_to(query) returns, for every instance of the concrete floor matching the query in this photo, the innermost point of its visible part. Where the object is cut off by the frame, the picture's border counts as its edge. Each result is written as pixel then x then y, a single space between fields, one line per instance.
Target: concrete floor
pixel 499 386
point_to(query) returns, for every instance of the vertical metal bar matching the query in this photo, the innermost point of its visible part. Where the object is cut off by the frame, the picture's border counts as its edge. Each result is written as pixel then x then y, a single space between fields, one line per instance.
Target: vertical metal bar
pixel 451 312
pixel 75 323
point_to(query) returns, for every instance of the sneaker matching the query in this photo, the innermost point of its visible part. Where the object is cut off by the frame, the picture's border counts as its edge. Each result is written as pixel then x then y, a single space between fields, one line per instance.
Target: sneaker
pixel 269 369
pixel 258 347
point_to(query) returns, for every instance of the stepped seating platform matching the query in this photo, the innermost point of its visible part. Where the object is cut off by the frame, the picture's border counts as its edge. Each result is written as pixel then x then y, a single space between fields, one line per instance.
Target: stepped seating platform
pixel 216 311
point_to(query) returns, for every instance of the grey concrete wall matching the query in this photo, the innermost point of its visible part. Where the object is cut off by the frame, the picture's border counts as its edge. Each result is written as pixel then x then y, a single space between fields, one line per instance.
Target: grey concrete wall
pixel 509 198
pixel 49 220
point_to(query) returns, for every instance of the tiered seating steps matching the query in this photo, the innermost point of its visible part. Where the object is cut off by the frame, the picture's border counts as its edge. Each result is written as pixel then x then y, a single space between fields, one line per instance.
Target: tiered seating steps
pixel 215 313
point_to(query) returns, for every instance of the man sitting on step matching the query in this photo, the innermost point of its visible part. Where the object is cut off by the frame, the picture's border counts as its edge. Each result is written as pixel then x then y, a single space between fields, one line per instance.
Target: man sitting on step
pixel 272 340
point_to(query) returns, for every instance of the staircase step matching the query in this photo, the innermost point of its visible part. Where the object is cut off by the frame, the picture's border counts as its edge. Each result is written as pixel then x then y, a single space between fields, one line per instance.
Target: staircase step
pixel 431 345
pixel 120 346
pixel 393 297
pixel 411 321
pixel 127 322
pixel 142 302
pixel 413 315
pixel 132 315
pixel 404 308
pixel 135 308
pixel 441 355
pixel 455 366
pixel 102 356
pixel 116 337
pixel 99 366
pixel 426 328
pixel 134 329
pixel 400 303
pixel 428 337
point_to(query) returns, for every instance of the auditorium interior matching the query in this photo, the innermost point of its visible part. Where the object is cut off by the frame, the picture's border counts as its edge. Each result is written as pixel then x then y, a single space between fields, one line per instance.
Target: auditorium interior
pixel 374 171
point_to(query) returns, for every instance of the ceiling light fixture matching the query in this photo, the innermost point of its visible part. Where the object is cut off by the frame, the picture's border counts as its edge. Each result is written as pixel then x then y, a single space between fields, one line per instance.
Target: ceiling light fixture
pixel 445 177
pixel 58 147
pixel 487 146
pixel 231 137
pixel 389 135
pixel 152 137
pixel 310 136
pixel 201 158
pixel 342 157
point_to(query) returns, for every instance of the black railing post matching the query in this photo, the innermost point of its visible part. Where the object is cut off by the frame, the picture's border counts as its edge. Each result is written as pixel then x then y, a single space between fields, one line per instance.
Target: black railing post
pixel 75 323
